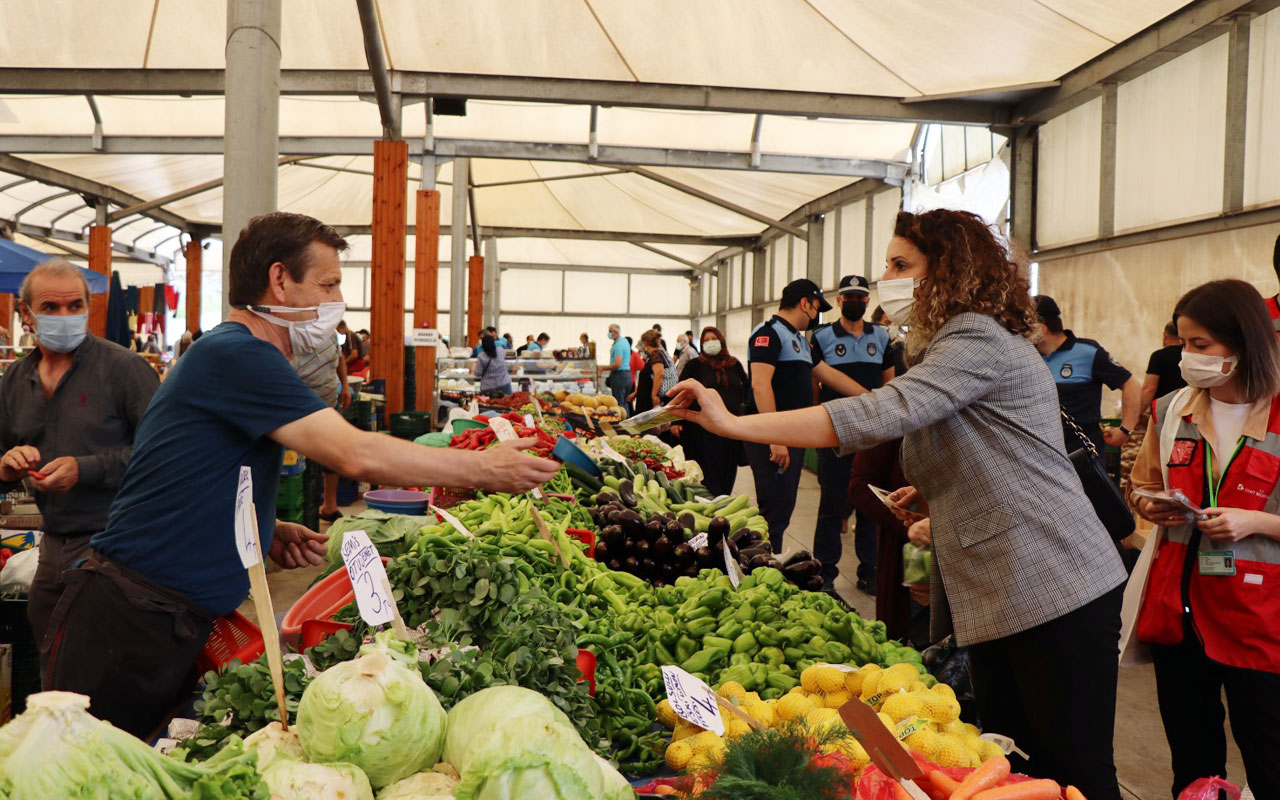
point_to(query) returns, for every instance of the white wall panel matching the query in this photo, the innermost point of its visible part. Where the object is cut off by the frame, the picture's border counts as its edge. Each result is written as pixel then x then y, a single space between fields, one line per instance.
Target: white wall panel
pixel 564 329
pixel 1169 140
pixel 780 261
pixel 534 290
pixel 884 210
pixel 737 329
pixel 748 278
pixel 1068 160
pixel 596 292
pixel 1262 131
pixel 799 258
pixel 853 237
pixel 660 295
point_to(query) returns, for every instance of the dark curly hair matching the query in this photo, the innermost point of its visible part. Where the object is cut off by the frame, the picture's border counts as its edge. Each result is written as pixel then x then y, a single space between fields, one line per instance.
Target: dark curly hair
pixel 971 267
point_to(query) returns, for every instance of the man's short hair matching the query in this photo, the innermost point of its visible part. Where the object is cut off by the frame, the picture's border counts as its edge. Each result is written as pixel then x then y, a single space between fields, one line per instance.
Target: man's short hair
pixel 278 237
pixel 53 268
pixel 542 337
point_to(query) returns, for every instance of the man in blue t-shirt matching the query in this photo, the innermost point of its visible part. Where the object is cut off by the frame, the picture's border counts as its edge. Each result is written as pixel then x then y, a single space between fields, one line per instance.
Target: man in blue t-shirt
pixel 136 614
pixel 619 380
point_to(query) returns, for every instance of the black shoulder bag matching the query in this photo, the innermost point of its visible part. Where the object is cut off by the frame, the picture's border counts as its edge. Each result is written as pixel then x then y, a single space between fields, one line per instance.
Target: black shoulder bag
pixel 1102 492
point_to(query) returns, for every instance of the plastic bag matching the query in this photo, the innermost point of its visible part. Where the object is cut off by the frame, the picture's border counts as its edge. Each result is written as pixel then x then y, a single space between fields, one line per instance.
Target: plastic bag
pixel 18 573
pixel 875 785
pixel 917 565
pixel 1207 789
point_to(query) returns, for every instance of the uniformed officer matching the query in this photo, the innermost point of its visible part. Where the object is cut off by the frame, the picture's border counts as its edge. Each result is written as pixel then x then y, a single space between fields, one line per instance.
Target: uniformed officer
pixel 782 371
pixel 1080 368
pixel 861 352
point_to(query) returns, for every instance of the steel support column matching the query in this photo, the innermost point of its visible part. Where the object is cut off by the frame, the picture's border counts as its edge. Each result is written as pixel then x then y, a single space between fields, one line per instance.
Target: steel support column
pixel 759 279
pixel 723 271
pixel 813 253
pixel 426 271
pixel 1023 187
pixel 695 304
pixel 1237 107
pixel 252 129
pixel 195 263
pixel 1107 163
pixel 390 184
pixel 458 260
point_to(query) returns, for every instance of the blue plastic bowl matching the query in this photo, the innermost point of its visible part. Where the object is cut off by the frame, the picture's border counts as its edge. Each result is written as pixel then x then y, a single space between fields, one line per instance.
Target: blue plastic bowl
pixel 397 501
pixel 569 453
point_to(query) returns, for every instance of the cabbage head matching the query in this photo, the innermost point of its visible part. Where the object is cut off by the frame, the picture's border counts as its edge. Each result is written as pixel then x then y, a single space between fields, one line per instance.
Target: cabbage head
pixel 375 712
pixel 295 780
pixel 274 742
pixel 422 786
pixel 510 743
pixel 616 787
pixel 57 749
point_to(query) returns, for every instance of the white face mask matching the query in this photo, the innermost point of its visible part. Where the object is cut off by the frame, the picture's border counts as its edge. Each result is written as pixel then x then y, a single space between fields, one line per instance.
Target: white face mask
pixel 897 297
pixel 711 347
pixel 308 335
pixel 1204 371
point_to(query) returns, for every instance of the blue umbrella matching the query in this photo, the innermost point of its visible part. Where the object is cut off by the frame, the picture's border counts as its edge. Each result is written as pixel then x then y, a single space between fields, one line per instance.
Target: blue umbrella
pixel 16 261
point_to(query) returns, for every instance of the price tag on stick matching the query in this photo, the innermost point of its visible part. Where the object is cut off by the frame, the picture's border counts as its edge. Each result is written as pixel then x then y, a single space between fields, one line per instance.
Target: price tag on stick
pixel 452 520
pixel 246 527
pixel 505 433
pixel 885 750
pixel 693 700
pixel 369 580
pixel 731 564
pixel 261 595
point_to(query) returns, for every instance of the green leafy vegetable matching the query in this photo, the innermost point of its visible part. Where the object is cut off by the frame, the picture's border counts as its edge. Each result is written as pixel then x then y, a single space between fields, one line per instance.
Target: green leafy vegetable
pixel 392 534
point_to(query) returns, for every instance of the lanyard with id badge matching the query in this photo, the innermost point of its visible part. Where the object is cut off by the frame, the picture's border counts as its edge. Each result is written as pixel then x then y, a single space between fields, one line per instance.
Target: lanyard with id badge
pixel 1217 563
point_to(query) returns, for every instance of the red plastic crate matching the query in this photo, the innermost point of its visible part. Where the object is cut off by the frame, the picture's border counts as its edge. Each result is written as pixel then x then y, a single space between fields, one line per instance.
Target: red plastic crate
pixel 446 497
pixel 587 666
pixel 586 537
pixel 233 637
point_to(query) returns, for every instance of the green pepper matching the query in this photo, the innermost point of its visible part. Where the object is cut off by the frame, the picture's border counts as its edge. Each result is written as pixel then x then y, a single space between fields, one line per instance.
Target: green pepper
pixel 739 659
pixel 771 694
pixel 700 627
pixel 746 643
pixel 766 614
pixel 795 636
pixel 725 614
pixel 780 682
pixel 768 637
pixel 805 663
pixel 664 655
pixel 793 654
pixel 837 653
pixel 745 613
pixel 685 647
pixel 717 641
pixel 818 642
pixel 697 612
pixel 730 629
pixel 704 659
pixel 669 635
pixel 812 619
pixel 739 673
pixel 771 656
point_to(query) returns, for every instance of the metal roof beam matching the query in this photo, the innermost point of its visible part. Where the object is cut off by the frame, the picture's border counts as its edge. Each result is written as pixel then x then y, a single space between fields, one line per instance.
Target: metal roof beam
pixel 413 85
pixel 562 233
pixel 388 104
pixel 674 257
pixel 540 267
pixel 128 251
pixel 888 171
pixel 181 194
pixel 1183 30
pixel 714 200
pixel 66 180
pixel 41 202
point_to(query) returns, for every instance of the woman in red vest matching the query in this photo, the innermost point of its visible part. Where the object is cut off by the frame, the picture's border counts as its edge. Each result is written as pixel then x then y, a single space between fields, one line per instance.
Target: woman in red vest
pixel 1211 609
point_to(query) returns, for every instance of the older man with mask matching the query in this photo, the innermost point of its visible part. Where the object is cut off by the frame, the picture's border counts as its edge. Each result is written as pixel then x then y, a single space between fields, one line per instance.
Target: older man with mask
pixel 68 414
pixel 167 562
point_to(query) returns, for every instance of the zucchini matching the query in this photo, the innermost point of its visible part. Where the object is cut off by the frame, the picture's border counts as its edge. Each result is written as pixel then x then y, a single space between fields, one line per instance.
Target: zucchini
pixel 583 477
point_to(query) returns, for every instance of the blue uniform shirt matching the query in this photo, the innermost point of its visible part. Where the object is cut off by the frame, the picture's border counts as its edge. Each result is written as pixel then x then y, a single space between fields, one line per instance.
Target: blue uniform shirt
pixel 863 358
pixel 776 342
pixel 173 518
pixel 1080 367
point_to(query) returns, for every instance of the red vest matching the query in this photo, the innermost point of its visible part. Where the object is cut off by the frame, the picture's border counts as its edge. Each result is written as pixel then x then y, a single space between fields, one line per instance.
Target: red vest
pixel 1273 306
pixel 1238 616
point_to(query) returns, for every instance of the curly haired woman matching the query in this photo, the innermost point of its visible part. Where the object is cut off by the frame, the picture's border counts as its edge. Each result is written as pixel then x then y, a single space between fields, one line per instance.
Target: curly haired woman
pixel 1024 573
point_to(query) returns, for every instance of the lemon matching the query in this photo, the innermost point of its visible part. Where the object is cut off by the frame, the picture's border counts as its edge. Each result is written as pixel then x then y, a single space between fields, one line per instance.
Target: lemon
pixel 809 678
pixel 948 751
pixel 904 705
pixel 836 699
pixel 939 708
pixel 678 755
pixel 732 690
pixel 666 714
pixel 733 728
pixel 761 712
pixel 794 707
pixel 989 750
pixel 831 679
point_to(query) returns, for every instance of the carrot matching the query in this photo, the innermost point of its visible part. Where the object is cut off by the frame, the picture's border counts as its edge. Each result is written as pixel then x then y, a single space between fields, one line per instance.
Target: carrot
pixel 944 782
pixel 1074 794
pixel 1027 790
pixel 984 777
pixel 900 792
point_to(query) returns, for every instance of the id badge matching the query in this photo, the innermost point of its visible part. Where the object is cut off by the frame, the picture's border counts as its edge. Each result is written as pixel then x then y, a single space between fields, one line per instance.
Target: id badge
pixel 1218 563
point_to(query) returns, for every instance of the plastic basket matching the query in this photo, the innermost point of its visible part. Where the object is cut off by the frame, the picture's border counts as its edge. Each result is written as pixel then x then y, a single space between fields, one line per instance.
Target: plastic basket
pixel 448 497
pixel 587 666
pixel 233 637
pixel 586 537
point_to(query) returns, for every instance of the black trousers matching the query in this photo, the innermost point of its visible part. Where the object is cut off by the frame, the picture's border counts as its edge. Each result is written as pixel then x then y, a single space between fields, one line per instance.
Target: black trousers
pixel 1190 686
pixel 1053 690
pixel 775 491
pixel 834 505
pixel 717 456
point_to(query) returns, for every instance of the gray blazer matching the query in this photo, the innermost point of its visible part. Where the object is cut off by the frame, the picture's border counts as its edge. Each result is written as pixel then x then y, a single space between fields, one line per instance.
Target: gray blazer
pixel 1016 542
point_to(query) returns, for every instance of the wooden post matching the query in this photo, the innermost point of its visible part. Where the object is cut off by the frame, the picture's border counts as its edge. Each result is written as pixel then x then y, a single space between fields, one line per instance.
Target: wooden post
pixel 6 319
pixel 390 185
pixel 475 299
pixel 195 263
pixel 99 261
pixel 426 271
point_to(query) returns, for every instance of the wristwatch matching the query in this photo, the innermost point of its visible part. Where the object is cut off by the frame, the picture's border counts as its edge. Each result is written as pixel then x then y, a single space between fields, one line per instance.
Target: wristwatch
pixel 1125 430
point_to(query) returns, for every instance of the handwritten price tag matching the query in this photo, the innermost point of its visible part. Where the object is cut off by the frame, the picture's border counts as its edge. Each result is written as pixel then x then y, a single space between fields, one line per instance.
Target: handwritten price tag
pixel 502 428
pixel 247 543
pixel 693 700
pixel 609 453
pixel 452 520
pixel 698 541
pixel 368 578
pixel 731 564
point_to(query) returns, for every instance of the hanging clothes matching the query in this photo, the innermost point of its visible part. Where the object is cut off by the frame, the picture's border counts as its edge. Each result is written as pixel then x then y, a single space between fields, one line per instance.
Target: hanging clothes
pixel 118 330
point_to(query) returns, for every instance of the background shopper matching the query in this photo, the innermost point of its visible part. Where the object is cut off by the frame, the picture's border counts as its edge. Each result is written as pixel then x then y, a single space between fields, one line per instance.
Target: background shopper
pixel 716 369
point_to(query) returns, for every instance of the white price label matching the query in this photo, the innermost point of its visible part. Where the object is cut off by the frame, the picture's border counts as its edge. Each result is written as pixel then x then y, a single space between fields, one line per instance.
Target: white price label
pixel 610 453
pixel 368 578
pixel 693 700
pixel 528 420
pixel 452 520
pixel 247 543
pixel 425 337
pixel 502 428
pixel 698 541
pixel 731 564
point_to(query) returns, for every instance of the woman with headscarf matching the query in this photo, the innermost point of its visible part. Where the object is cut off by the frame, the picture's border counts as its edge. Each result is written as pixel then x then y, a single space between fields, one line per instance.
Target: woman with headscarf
pixel 716 369
pixel 491 367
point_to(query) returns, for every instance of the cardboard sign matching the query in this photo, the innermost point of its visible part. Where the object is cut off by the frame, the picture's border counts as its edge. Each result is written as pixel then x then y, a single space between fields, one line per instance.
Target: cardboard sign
pixel 885 750
pixel 247 544
pixel 452 520
pixel 368 578
pixel 425 337
pixel 731 564
pixel 693 700
pixel 698 541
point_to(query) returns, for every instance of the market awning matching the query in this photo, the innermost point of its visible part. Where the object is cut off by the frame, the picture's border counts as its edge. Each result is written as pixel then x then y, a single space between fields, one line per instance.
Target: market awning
pixel 17 260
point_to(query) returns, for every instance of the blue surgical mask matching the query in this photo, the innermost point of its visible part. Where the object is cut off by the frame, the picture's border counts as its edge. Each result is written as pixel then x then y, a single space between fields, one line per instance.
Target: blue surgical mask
pixel 62 334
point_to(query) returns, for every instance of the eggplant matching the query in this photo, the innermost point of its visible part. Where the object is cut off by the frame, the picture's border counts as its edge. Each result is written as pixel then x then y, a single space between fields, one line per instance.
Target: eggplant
pixel 669 571
pixel 627 492
pixel 606 498
pixel 745 537
pixel 760 560
pixel 674 530
pixel 683 553
pixel 688 522
pixel 613 516
pixel 615 565
pixel 654 529
pixel 797 557
pixel 662 547
pixel 602 551
pixel 707 558
pixel 691 570
pixel 799 571
pixel 641 548
pixel 613 536
pixel 632 527
pixel 752 552
pixel 717 529
pixel 648 566
pixel 813 583
pixel 631 564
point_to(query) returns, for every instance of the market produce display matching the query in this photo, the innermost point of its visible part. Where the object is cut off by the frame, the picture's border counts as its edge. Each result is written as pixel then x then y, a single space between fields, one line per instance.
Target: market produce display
pixel 516 401
pixel 482 438
pixel 598 406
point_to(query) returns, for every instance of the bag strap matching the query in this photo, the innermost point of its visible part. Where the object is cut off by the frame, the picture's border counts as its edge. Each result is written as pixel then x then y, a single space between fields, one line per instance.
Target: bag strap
pixel 1079 432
